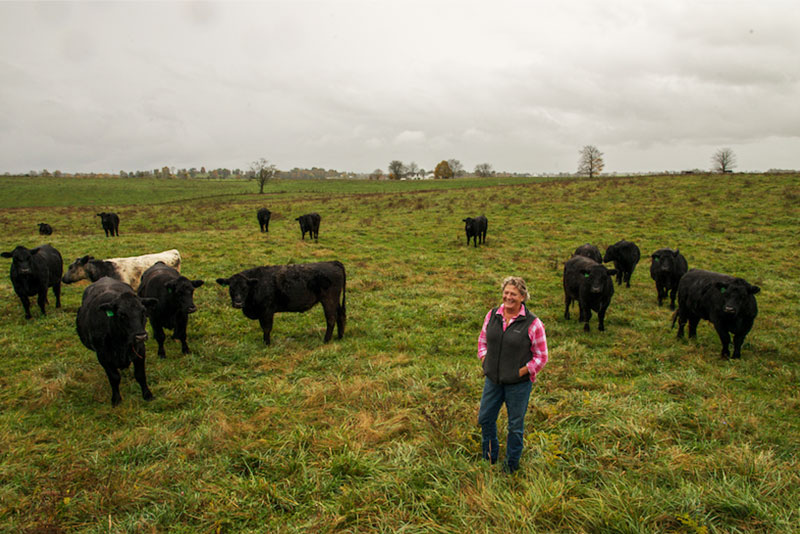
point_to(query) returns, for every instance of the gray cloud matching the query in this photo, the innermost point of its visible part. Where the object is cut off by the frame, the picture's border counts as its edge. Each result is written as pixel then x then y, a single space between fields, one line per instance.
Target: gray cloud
pixel 104 87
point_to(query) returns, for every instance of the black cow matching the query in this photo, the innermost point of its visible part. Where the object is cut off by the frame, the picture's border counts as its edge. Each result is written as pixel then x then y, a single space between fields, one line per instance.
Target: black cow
pixel 110 222
pixel 309 223
pixel 589 251
pixel 174 295
pixel 666 268
pixel 45 229
pixel 32 272
pixel 476 229
pixel 111 322
pixel 261 292
pixel 263 215
pixel 590 284
pixel 625 256
pixel 728 302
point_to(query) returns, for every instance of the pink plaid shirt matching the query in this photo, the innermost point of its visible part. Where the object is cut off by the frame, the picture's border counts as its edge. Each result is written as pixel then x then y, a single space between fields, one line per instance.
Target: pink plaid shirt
pixel 535 333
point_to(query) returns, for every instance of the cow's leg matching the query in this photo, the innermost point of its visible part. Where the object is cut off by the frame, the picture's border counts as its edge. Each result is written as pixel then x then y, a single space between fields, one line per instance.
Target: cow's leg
pixel 331 308
pixel 57 293
pixel 266 325
pixel 467 238
pixel 113 379
pixel 341 319
pixel 681 323
pixel 693 322
pixel 587 315
pixel 41 300
pixel 567 302
pixel 26 305
pixel 139 374
pixel 158 333
pixel 725 339
pixel 601 316
pixel 738 340
pixel 672 294
pixel 180 333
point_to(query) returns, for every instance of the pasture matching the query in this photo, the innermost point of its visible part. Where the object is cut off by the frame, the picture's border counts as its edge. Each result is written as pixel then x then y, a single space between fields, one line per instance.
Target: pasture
pixel 628 430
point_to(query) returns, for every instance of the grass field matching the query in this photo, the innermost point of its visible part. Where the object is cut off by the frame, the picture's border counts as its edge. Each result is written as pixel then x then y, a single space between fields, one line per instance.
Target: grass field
pixel 628 430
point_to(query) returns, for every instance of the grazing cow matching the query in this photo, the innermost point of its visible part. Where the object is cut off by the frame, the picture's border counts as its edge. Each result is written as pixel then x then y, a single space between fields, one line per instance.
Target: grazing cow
pixel 728 302
pixel 476 229
pixel 589 251
pixel 666 268
pixel 174 295
pixel 263 219
pixel 128 270
pixel 110 222
pixel 111 322
pixel 590 284
pixel 32 272
pixel 625 256
pixel 45 229
pixel 309 223
pixel 261 292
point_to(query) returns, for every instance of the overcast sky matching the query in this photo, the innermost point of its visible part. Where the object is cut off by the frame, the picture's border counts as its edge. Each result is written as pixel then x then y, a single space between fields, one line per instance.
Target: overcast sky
pixel 352 85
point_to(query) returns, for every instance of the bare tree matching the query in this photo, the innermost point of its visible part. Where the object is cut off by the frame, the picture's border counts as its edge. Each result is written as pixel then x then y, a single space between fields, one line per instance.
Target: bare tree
pixel 262 171
pixel 412 169
pixel 484 170
pixel 396 169
pixel 377 174
pixel 590 161
pixel 456 167
pixel 723 160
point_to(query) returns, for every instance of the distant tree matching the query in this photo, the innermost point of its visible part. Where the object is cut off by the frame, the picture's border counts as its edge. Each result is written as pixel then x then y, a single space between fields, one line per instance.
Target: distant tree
pixel 202 170
pixel 377 174
pixel 456 167
pixel 262 171
pixel 165 172
pixel 723 160
pixel 57 173
pixel 590 161
pixel 413 168
pixel 396 169
pixel 484 170
pixel 123 174
pixel 443 171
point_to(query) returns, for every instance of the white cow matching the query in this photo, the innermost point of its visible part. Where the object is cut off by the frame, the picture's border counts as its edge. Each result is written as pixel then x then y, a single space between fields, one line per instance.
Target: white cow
pixel 128 270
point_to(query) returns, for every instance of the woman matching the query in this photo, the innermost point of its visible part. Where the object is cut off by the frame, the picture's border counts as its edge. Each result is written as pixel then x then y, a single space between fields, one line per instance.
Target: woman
pixel 513 348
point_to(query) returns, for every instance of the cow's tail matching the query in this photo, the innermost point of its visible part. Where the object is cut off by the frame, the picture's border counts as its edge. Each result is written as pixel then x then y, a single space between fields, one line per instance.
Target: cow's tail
pixel 675 317
pixel 344 290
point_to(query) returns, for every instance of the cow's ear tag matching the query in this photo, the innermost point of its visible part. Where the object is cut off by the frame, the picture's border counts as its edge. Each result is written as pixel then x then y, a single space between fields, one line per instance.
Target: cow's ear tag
pixel 169 290
pixel 586 275
pixel 655 259
pixel 722 290
pixel 109 313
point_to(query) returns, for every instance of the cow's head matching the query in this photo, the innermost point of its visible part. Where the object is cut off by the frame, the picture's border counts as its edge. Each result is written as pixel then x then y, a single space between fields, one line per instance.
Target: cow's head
pixel 21 259
pixel 77 270
pixel 126 317
pixel 181 292
pixel 597 278
pixel 664 260
pixel 239 288
pixel 735 294
pixel 611 254
pixel 468 223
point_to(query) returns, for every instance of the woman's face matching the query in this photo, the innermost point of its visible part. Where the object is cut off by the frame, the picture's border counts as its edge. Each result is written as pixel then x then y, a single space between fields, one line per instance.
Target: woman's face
pixel 512 298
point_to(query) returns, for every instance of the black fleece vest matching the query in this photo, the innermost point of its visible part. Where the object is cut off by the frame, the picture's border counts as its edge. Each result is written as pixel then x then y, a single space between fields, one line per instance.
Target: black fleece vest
pixel 507 351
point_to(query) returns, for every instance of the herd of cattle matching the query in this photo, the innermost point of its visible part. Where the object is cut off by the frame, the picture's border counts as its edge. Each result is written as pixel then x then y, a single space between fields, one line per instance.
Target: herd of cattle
pixel 124 292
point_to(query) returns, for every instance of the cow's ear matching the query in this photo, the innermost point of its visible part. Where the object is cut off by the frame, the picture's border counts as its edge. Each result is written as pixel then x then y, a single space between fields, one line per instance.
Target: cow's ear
pixel 223 281
pixel 149 303
pixel 753 290
pixel 84 260
pixel 170 286
pixel 612 272
pixel 721 286
pixel 107 308
pixel 34 250
pixel 197 283
pixel 677 252
pixel 585 273
pixel 6 254
pixel 252 282
pixel 654 256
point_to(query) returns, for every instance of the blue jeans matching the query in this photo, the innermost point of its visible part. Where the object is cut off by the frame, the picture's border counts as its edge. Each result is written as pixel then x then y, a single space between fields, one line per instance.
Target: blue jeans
pixel 516 398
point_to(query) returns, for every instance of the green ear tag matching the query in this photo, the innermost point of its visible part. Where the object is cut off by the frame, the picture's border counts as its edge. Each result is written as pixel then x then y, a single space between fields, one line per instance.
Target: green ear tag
pixel 722 290
pixel 109 313
pixel 586 275
pixel 655 259
pixel 169 290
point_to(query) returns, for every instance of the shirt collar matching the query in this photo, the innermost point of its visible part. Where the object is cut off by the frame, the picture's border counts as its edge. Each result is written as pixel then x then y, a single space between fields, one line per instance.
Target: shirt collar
pixel 520 314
